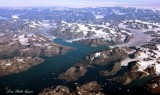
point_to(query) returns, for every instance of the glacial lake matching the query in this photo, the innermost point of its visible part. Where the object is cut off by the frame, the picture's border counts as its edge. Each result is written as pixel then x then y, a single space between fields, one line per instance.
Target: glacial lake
pixel 45 74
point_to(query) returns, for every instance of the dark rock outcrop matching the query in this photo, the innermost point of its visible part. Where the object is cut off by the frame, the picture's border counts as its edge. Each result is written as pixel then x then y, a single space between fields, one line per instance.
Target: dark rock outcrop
pixel 127 39
pixel 151 46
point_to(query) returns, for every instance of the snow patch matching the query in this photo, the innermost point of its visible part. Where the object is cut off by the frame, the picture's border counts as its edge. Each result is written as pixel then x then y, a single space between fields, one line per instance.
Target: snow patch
pixel 20 60
pixel 117 12
pixel 99 16
pixel 8 64
pixel 97 54
pixel 15 16
pixel 2 34
pixel 23 40
pixel 158 69
pixel 83 28
pixel 123 31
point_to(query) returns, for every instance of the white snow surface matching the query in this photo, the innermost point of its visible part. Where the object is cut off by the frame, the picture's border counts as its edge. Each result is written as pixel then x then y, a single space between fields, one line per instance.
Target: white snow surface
pixel 145 64
pixel 97 54
pixel 22 39
pixel 8 64
pixel 99 16
pixel 15 16
pixel 99 33
pixel 117 12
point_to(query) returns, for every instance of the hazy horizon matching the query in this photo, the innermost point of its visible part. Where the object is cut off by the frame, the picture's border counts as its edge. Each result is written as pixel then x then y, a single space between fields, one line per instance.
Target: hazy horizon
pixel 80 3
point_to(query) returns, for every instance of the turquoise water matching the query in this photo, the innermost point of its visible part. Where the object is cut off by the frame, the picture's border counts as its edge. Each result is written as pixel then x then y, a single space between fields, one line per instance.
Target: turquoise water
pixel 45 74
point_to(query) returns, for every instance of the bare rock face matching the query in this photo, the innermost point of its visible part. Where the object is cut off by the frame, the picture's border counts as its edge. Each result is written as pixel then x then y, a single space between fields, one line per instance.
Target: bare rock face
pixel 73 73
pixel 51 49
pixel 92 42
pixel 135 54
pixel 102 41
pixel 91 88
pixel 9 51
pixel 127 39
pixel 151 70
pixel 133 66
pixel 116 67
pixel 131 74
pixel 55 49
pixel 156 40
pixel 126 80
pixel 129 77
pixel 153 85
pixel 150 46
pixel 18 64
pixel 108 56
pixel 59 90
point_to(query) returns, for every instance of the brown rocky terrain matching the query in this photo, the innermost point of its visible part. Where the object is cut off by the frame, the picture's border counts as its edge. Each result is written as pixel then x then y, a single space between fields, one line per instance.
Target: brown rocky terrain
pixel 113 70
pixel 30 45
pixel 75 72
pixel 91 88
pixel 153 85
pixel 17 64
